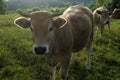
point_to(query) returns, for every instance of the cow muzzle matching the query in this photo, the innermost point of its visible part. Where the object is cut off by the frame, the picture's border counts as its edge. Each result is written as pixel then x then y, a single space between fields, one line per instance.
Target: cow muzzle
pixel 40 49
pixel 107 22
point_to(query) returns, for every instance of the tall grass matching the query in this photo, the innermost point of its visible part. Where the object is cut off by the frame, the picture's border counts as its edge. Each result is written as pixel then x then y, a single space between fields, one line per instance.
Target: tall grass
pixel 17 62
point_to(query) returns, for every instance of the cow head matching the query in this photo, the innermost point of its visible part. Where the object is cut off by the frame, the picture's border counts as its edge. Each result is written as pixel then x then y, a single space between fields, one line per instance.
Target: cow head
pixel 116 13
pixel 42 25
pixel 104 15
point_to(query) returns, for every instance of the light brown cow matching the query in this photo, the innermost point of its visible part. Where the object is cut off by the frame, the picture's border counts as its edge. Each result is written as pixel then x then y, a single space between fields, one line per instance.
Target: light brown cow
pixel 116 13
pixel 58 37
pixel 101 17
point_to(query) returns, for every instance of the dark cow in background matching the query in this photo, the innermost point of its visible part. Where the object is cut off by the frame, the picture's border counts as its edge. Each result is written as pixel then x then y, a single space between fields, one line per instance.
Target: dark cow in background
pixel 101 17
pixel 58 37
pixel 116 13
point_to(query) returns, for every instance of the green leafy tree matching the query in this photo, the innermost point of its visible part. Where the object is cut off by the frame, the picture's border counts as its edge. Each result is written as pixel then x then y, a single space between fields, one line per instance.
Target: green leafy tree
pixel 102 2
pixel 110 4
pixel 114 4
pixel 3 7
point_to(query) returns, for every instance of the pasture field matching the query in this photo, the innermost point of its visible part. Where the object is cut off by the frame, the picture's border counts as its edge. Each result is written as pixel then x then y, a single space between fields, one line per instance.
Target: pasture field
pixel 17 62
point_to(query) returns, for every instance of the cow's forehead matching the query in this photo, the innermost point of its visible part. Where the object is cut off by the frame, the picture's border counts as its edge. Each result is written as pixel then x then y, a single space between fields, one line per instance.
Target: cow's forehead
pixel 105 12
pixel 40 15
pixel 40 18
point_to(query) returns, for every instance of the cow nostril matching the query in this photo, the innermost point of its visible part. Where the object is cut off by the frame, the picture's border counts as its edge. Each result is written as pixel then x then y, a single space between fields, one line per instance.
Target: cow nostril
pixel 40 50
pixel 107 22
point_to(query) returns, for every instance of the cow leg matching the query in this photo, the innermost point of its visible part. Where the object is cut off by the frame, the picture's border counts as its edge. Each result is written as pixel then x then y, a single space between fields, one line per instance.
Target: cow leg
pixel 52 71
pixel 98 28
pixel 109 27
pixel 73 57
pixel 88 64
pixel 88 49
pixel 64 67
pixel 64 71
pixel 102 29
pixel 108 23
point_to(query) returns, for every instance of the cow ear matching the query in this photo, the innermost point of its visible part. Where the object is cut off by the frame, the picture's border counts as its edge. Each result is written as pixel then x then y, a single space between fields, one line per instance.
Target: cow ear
pixel 22 22
pixel 59 22
pixel 99 12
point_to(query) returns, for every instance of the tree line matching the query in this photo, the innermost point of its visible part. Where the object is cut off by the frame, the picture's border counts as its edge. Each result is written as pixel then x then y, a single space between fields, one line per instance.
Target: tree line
pixel 43 3
pixel 3 6
pixel 12 5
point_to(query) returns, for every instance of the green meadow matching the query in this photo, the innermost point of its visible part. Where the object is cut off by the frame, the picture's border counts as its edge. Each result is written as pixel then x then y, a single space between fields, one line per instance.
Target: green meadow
pixel 17 62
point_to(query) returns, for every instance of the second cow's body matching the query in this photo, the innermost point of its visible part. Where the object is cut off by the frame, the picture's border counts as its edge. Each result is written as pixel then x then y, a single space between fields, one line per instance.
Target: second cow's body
pixel 101 17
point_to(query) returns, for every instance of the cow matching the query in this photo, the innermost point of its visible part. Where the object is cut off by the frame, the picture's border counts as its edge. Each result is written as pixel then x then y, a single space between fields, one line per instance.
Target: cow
pixel 101 17
pixel 116 13
pixel 58 37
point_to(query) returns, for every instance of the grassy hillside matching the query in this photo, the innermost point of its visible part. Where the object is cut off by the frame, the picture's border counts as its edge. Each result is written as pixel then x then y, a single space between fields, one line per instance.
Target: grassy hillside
pixel 17 62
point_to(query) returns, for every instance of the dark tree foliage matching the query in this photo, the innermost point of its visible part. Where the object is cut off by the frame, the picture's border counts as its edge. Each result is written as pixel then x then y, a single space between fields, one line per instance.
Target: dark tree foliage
pixel 3 7
pixel 114 4
pixel 23 4
pixel 15 4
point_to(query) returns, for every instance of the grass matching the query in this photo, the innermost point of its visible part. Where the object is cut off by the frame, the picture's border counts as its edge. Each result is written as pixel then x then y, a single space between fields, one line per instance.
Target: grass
pixel 17 62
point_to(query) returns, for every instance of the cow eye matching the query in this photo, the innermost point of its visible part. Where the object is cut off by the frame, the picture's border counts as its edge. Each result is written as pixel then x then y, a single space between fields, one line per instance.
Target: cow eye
pixel 51 28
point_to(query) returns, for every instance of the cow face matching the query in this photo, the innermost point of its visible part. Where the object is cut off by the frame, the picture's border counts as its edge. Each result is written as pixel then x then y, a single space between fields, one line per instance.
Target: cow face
pixel 104 15
pixel 42 25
